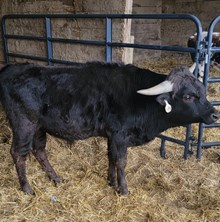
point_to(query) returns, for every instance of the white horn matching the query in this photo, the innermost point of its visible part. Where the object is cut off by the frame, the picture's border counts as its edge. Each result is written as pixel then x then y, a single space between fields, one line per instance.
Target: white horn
pixel 163 87
pixel 192 68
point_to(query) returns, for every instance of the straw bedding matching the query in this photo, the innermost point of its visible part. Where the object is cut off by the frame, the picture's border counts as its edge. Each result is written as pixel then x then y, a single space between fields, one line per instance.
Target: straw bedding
pixel 160 190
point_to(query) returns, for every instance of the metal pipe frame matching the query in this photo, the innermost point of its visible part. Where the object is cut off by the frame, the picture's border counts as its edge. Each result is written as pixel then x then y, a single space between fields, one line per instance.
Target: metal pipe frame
pixel 206 81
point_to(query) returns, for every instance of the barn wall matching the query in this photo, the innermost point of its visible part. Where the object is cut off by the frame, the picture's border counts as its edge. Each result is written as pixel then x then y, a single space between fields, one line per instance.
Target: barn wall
pixel 170 32
pixel 146 31
pixel 164 32
pixel 67 28
pixel 205 10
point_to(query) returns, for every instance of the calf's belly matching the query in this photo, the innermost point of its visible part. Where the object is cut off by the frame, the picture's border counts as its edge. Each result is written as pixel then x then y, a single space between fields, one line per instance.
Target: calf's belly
pixel 71 130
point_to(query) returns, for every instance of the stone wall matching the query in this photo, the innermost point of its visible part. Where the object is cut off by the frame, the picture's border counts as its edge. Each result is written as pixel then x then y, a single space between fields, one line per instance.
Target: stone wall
pixel 85 29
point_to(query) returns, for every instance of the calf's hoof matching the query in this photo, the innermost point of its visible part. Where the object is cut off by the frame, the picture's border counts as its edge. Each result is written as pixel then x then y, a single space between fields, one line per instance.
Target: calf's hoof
pixel 112 183
pixel 123 191
pixel 27 189
pixel 57 180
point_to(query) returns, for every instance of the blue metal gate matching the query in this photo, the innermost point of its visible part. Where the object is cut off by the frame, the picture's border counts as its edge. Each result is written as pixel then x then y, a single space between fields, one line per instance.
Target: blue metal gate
pixel 209 50
pixel 109 44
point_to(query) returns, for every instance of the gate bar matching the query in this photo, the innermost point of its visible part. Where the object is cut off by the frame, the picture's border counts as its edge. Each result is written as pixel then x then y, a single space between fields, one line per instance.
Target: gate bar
pixel 49 43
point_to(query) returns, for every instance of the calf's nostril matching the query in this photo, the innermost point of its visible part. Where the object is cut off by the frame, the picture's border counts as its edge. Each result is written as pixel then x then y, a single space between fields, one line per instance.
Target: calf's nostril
pixel 215 116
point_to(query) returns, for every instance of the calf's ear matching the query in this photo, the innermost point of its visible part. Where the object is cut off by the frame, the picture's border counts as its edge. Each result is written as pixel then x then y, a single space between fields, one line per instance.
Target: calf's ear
pixel 164 100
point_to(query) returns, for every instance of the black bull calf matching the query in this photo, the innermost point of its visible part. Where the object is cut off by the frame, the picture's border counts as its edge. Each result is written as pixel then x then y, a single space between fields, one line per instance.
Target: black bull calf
pixel 126 104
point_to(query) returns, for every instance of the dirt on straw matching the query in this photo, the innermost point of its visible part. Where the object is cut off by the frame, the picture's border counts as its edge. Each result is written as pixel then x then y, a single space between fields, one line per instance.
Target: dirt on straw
pixel 160 190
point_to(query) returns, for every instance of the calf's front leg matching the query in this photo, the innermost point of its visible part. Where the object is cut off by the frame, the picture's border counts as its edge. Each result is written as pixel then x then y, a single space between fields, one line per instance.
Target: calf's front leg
pixel 117 155
pixel 122 184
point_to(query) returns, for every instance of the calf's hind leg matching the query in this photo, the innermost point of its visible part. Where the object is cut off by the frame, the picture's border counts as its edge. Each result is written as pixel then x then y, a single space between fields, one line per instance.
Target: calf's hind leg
pixel 21 145
pixel 39 144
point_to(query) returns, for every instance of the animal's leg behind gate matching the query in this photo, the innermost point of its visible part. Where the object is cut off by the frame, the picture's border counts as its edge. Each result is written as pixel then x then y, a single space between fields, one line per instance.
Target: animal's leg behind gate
pixel 39 144
pixel 117 155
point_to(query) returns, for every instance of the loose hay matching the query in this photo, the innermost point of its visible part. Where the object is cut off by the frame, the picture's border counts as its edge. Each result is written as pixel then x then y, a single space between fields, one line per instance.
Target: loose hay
pixel 160 190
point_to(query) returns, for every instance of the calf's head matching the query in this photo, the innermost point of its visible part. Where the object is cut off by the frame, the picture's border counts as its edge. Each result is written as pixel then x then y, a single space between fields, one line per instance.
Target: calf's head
pixel 184 98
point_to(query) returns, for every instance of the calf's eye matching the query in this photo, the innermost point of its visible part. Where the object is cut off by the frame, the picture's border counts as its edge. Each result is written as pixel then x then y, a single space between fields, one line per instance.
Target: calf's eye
pixel 187 98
